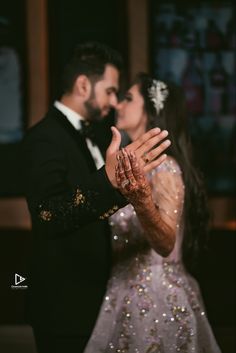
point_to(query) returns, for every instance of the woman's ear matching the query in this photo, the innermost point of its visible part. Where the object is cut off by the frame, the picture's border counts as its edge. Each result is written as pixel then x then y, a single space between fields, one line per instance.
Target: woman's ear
pixel 83 86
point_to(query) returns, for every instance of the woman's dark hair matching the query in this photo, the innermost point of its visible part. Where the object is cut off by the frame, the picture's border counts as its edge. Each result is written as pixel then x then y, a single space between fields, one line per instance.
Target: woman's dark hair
pixel 173 118
pixel 89 59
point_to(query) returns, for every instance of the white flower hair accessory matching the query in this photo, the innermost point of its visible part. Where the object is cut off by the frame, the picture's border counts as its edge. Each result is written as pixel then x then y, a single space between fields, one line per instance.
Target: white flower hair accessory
pixel 158 93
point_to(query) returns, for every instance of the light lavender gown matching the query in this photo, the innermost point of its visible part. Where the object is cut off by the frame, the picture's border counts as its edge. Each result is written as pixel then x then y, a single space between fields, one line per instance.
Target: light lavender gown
pixel 152 305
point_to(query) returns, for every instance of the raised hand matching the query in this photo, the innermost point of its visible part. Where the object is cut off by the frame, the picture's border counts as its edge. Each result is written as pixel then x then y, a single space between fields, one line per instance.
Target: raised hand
pixel 148 156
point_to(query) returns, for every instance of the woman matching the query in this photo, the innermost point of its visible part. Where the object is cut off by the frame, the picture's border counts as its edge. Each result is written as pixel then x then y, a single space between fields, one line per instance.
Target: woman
pixel 152 303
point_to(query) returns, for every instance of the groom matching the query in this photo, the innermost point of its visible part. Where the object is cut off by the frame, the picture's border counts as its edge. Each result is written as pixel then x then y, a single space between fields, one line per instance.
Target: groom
pixel 70 194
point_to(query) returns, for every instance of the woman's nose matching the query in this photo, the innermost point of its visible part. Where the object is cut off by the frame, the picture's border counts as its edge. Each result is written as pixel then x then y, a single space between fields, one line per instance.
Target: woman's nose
pixel 119 105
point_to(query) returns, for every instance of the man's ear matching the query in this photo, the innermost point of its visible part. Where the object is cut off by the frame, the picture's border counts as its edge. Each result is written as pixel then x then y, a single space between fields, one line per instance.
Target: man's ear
pixel 83 86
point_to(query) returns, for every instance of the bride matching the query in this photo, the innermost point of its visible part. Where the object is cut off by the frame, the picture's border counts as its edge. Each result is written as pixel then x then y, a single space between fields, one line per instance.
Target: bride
pixel 152 303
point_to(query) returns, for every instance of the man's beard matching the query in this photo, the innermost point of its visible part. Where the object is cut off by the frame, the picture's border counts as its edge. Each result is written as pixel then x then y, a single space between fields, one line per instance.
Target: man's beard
pixel 93 113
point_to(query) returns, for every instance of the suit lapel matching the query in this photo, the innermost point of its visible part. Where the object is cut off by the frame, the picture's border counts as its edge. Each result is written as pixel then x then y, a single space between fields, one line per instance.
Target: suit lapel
pixel 76 135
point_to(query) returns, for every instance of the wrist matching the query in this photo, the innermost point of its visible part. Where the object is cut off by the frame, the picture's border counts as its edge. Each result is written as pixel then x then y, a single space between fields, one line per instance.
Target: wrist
pixel 144 205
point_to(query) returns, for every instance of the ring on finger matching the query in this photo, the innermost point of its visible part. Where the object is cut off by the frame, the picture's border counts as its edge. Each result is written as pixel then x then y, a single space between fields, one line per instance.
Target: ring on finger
pixel 145 158
pixel 132 181
pixel 124 183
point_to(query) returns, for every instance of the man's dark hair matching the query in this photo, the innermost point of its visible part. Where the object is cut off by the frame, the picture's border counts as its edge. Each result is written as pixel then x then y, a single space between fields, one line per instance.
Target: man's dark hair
pixel 89 59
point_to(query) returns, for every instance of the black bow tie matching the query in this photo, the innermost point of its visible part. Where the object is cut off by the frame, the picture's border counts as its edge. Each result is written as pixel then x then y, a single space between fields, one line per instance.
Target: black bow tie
pixel 87 130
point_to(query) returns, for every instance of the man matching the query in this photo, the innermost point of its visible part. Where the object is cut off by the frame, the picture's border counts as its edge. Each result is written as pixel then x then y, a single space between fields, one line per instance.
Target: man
pixel 70 197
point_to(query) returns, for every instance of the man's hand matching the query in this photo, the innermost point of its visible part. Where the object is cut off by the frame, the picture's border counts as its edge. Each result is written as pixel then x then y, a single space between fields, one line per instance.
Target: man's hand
pixel 147 156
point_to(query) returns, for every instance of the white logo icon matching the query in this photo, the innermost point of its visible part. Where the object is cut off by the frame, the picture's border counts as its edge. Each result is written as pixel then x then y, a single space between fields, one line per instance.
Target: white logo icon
pixel 18 279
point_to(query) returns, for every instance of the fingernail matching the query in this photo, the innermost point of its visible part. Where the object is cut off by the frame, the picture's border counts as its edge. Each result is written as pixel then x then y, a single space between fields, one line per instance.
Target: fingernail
pixel 164 133
pixel 167 142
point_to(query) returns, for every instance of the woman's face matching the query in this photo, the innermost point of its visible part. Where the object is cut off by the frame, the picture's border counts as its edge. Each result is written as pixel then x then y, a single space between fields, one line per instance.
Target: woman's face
pixel 131 116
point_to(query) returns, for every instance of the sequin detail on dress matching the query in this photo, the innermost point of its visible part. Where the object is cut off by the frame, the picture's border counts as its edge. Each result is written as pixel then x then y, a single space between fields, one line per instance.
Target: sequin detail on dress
pixel 152 305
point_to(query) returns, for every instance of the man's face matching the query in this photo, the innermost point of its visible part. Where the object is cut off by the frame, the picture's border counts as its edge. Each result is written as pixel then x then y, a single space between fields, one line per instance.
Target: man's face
pixel 104 94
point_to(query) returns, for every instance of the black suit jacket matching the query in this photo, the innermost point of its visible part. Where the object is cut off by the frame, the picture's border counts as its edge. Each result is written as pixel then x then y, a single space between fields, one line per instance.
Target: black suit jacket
pixel 69 201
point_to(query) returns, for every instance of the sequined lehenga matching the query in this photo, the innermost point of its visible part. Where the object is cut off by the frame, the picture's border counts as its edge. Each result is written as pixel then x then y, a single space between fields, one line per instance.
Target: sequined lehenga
pixel 152 305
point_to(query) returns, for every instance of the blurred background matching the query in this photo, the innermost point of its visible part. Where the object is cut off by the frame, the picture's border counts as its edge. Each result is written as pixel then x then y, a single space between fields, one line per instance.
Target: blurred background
pixel 192 44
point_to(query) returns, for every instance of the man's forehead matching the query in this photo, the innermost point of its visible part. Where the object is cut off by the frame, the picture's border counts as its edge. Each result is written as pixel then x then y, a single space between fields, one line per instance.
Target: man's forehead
pixel 111 75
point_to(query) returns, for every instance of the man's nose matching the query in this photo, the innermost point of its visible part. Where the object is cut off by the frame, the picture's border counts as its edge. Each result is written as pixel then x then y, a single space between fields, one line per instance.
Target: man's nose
pixel 113 100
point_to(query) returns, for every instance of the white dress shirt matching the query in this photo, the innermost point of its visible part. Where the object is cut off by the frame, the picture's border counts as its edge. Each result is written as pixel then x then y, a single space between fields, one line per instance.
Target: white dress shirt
pixel 75 118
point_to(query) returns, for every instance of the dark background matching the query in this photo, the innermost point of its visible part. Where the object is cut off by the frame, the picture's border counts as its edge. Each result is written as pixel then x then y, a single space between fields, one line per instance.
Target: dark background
pixel 72 21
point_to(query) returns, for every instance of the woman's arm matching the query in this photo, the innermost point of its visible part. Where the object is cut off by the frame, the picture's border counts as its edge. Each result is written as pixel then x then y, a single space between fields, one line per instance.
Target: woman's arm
pixel 158 223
